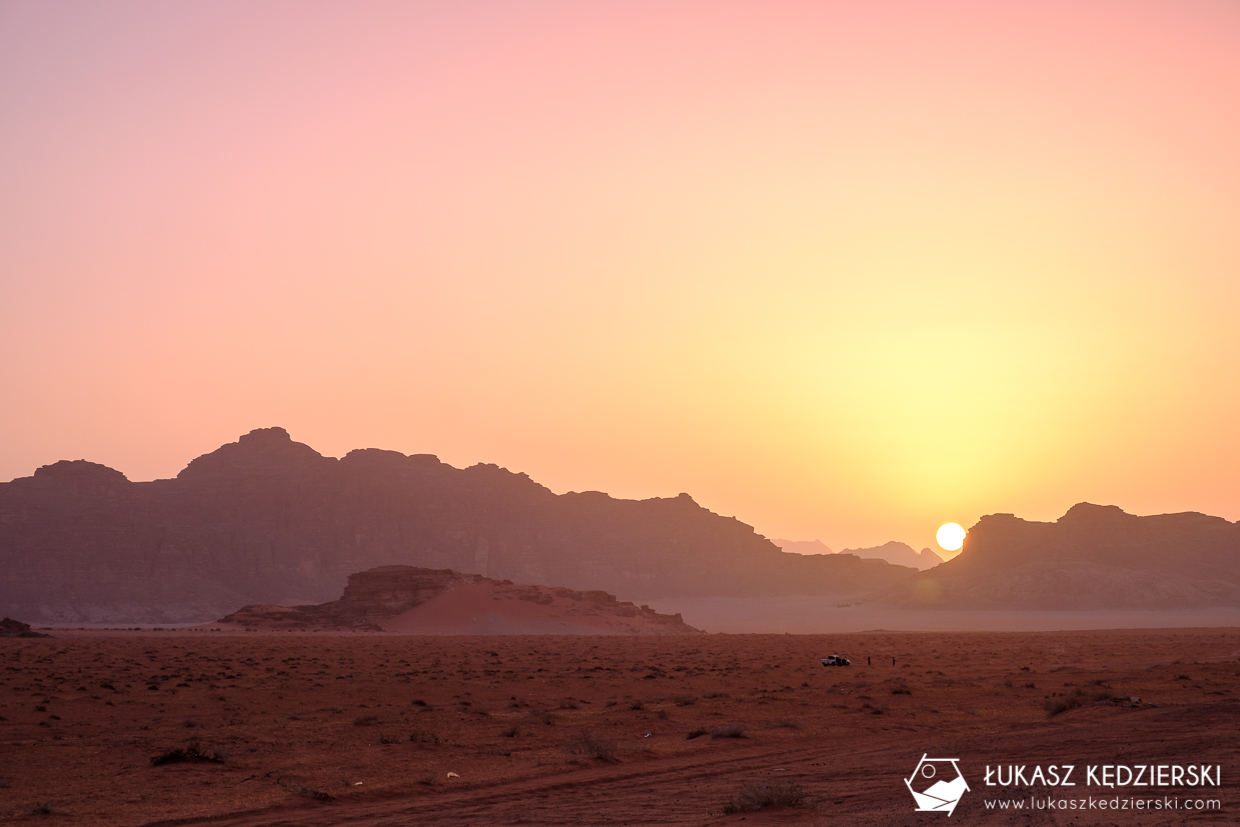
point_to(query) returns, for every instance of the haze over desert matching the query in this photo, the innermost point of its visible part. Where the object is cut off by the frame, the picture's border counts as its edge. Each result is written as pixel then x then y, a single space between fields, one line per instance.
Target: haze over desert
pixel 692 413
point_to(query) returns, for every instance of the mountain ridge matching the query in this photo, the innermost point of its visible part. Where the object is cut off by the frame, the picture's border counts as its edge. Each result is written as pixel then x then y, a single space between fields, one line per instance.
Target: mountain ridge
pixel 267 520
pixel 1093 557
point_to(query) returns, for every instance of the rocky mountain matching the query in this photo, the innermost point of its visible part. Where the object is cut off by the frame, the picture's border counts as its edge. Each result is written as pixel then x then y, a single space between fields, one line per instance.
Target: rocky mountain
pixel 15 628
pixel 1093 557
pixel 804 546
pixel 269 520
pixel 441 601
pixel 900 554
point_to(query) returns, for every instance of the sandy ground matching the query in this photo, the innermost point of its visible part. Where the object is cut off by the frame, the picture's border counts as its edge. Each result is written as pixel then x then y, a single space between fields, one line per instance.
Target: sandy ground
pixel 848 613
pixel 365 728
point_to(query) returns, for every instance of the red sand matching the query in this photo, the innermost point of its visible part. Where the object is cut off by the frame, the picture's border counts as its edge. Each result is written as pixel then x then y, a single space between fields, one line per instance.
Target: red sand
pixel 483 609
pixel 363 728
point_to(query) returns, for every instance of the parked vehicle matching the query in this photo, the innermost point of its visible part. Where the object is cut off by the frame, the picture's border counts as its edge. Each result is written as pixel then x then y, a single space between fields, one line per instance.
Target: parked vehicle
pixel 835 660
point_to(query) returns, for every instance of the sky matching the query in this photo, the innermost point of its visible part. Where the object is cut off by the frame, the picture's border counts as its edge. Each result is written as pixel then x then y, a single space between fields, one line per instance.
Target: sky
pixel 844 271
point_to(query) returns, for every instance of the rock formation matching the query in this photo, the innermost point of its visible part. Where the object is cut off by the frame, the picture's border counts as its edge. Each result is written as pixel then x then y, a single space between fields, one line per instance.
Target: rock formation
pixel 266 520
pixel 441 601
pixel 15 628
pixel 900 554
pixel 1093 557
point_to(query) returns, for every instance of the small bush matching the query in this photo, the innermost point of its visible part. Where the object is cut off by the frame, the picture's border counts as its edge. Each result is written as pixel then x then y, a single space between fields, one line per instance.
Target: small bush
pixel 422 736
pixel 308 792
pixel 663 715
pixel 1078 698
pixel 712 695
pixel 418 702
pixel 587 744
pixel 511 732
pixel 784 723
pixel 190 752
pixel 697 733
pixel 904 690
pixel 366 720
pixel 637 706
pixel 388 739
pixel 686 700
pixel 728 731
pixel 754 796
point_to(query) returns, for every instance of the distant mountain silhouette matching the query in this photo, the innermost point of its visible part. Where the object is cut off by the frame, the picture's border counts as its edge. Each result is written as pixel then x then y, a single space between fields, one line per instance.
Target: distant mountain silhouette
pixel 1093 557
pixel 900 554
pixel 804 546
pixel 266 520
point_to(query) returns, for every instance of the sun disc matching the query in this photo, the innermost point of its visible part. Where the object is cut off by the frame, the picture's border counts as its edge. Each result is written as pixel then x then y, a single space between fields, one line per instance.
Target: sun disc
pixel 951 536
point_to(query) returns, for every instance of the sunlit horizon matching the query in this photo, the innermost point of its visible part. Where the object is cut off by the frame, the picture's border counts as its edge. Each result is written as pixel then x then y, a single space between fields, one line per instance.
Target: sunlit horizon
pixel 839 271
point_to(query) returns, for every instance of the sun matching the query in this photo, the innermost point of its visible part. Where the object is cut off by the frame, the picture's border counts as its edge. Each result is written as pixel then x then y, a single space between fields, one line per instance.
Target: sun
pixel 951 536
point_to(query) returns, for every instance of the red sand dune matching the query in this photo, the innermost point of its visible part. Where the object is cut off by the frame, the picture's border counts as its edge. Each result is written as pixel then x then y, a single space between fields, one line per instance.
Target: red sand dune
pixel 444 602
pixel 490 608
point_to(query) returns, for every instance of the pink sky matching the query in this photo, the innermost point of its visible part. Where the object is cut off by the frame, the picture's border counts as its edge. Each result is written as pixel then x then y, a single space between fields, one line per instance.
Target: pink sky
pixel 844 271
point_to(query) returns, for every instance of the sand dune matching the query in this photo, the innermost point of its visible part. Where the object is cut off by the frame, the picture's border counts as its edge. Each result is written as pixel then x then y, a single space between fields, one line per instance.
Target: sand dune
pixel 444 602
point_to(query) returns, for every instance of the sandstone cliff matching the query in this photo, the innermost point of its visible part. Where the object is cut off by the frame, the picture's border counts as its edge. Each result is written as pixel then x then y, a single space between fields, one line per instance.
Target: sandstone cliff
pixel 1094 557
pixel 440 601
pixel 269 520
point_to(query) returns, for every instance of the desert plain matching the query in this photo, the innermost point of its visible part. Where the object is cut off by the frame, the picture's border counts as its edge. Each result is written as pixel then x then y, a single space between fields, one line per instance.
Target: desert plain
pixel 380 728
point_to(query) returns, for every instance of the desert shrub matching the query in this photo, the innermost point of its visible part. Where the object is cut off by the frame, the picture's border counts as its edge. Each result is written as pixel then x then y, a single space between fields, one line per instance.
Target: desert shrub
pixel 366 720
pixel 637 706
pixel 784 723
pixel 686 700
pixel 390 739
pixel 418 702
pixel 309 792
pixel 568 703
pixel 511 732
pixel 904 690
pixel 663 715
pixel 697 733
pixel 1058 704
pixel 712 695
pixel 192 751
pixel 754 796
pixel 728 731
pixel 585 743
pixel 423 736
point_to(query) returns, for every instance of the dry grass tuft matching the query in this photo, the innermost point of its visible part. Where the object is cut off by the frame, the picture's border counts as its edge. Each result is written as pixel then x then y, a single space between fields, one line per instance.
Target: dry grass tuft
pixel 192 751
pixel 728 731
pixel 754 796
pixel 585 743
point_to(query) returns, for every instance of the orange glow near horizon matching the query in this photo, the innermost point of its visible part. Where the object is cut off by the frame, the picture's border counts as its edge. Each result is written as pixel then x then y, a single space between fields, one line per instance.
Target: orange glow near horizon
pixel 736 249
